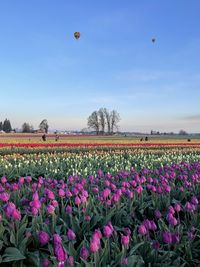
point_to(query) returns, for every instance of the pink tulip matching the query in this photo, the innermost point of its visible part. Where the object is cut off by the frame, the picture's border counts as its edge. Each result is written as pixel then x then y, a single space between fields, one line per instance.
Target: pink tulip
pixel 61 193
pixel 107 231
pixel 77 201
pixel 50 209
pixel 125 239
pixel 94 245
pixel 142 230
pixel 4 197
pixel 3 180
pixel 16 215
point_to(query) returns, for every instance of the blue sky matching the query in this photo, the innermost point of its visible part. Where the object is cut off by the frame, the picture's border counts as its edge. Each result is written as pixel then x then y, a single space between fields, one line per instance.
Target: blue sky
pixel 46 74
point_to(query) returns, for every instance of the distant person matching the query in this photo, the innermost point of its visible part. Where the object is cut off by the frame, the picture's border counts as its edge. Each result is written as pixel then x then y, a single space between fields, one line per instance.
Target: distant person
pixel 44 137
pixel 57 137
pixel 189 140
pixel 146 138
pixel 141 139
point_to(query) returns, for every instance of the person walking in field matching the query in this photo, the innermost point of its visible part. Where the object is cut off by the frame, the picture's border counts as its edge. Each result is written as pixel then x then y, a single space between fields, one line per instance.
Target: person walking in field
pixel 44 137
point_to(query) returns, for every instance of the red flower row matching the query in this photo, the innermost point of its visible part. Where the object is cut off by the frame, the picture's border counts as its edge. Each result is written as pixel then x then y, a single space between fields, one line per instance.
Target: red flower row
pixel 100 145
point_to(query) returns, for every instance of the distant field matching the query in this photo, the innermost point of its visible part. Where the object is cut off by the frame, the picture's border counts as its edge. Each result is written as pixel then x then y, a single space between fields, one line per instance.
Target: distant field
pixel 93 139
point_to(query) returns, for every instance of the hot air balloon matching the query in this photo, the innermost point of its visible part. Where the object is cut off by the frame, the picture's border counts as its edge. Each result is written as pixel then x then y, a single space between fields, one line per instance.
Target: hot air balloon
pixel 153 40
pixel 77 35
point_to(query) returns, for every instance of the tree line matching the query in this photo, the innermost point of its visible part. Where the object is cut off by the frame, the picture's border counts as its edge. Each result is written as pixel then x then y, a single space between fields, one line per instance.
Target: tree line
pixel 104 121
pixel 26 127
pixel 5 126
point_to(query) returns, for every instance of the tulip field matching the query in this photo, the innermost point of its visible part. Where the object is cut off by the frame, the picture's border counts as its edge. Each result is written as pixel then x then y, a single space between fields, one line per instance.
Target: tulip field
pixel 99 202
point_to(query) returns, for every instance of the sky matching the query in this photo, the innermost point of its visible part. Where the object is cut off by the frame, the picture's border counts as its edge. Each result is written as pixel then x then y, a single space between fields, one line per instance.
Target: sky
pixel 45 73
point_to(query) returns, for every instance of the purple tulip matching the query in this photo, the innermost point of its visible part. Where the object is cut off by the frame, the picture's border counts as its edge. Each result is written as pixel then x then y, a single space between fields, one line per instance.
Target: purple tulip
pixel 43 238
pixel 95 241
pixel 77 201
pixel 127 231
pixel 157 214
pixel 68 194
pixel 190 235
pixel 16 215
pixel 124 261
pixel 147 224
pixel 171 210
pixel 155 245
pixel 70 261
pixel 107 231
pixel 59 251
pixel 175 238
pixel 194 201
pixel 68 209
pixel 167 237
pixel 71 235
pixel 189 207
pixel 45 262
pixel 171 219
pixel 3 180
pixel 177 207
pixel 50 209
pixel 84 253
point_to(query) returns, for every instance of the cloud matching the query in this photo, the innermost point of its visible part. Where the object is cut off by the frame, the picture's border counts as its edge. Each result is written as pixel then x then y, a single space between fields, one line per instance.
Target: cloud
pixel 192 118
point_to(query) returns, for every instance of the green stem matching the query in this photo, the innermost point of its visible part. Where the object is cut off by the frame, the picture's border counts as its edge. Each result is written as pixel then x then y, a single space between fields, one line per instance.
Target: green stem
pixel 53 222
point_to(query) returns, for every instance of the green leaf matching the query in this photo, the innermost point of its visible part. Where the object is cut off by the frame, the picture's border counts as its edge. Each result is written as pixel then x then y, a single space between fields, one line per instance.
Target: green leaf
pixel 104 256
pixel 2 229
pixel 12 254
pixel 24 243
pixel 136 247
pixel 21 232
pixel 135 261
pixel 71 249
pixel 87 264
pixel 33 259
pixel 1 244
pixel 118 258
pixel 12 238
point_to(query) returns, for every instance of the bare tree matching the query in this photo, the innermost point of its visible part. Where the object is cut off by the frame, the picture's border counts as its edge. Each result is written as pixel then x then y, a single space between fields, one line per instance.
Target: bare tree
pixel 114 119
pixel 99 119
pixel 93 121
pixel 102 120
pixel 44 125
pixel 182 132
pixel 107 117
